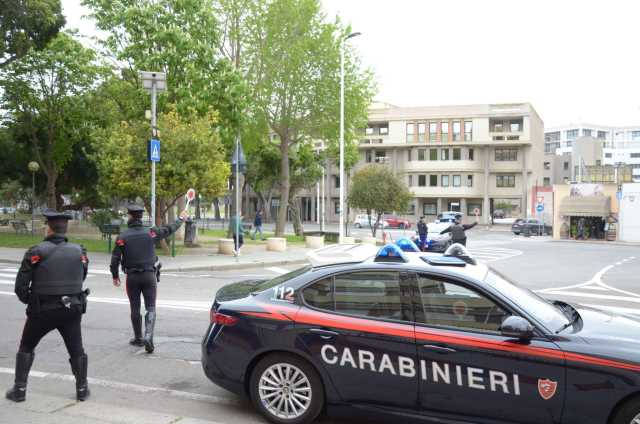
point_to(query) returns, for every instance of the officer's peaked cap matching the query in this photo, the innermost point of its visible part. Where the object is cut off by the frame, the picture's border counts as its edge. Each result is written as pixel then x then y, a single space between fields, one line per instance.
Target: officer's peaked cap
pixel 134 207
pixel 53 215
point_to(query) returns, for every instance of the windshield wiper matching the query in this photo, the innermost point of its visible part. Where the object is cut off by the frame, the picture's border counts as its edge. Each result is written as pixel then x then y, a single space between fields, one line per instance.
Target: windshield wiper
pixel 574 318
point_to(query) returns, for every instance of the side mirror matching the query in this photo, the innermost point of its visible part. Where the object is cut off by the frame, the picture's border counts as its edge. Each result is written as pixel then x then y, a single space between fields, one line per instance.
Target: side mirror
pixel 516 328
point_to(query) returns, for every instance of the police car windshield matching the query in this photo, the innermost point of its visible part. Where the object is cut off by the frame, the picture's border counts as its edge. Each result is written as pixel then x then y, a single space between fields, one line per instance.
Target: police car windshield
pixel 546 313
pixel 280 279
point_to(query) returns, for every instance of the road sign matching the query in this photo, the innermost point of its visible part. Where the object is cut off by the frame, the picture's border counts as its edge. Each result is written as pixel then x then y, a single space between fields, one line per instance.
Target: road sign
pixel 619 195
pixel 476 211
pixel 153 151
pixel 540 207
pixel 191 194
pixel 540 199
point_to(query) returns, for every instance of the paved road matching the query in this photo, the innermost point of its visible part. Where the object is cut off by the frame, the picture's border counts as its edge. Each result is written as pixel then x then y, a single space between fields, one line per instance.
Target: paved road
pixel 130 386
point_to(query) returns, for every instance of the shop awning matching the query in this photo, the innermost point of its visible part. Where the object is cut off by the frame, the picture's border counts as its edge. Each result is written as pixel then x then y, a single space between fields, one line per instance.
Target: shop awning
pixel 585 206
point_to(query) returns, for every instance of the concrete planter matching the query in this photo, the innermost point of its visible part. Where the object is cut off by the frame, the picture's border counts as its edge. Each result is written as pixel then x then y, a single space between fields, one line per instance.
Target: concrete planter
pixel 225 246
pixel 368 240
pixel 276 244
pixel 348 240
pixel 314 242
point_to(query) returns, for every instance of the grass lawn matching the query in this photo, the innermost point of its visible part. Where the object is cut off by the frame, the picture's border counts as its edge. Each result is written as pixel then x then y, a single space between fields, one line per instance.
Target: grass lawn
pixel 291 238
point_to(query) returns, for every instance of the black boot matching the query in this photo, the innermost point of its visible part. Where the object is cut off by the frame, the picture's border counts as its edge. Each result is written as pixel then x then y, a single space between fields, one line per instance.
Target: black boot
pixel 23 364
pixel 136 323
pixel 149 324
pixel 79 367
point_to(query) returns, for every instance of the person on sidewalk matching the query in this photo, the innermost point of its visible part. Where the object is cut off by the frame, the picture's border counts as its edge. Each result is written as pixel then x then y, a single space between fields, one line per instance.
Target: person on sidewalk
pixel 422 233
pixel 257 223
pixel 135 249
pixel 236 230
pixel 50 282
pixel 457 231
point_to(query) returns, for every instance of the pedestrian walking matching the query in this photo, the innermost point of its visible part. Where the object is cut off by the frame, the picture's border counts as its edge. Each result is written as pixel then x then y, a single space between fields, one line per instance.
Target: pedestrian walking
pixel 457 231
pixel 422 233
pixel 135 250
pixel 257 223
pixel 50 282
pixel 236 229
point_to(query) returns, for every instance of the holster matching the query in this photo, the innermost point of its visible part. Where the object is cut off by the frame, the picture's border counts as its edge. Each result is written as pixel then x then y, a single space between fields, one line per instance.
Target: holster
pixel 83 298
pixel 34 303
pixel 157 268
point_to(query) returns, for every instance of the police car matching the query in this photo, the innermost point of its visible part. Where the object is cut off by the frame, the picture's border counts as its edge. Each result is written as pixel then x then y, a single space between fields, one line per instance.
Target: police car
pixel 428 337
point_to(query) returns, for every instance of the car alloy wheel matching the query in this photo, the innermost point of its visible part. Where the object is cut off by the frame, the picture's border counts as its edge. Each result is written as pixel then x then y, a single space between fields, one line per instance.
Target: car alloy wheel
pixel 285 391
pixel 636 420
pixel 357 225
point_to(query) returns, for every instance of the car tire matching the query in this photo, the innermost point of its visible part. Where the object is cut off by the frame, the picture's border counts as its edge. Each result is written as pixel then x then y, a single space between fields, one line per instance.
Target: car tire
pixel 628 413
pixel 516 233
pixel 357 225
pixel 308 380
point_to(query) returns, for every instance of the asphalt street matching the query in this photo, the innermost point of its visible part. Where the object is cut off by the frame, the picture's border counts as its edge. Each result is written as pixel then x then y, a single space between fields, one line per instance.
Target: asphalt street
pixel 130 386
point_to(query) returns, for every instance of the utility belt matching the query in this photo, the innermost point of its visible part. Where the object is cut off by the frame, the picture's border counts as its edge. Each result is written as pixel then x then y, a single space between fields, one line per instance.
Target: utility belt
pixel 155 269
pixel 41 303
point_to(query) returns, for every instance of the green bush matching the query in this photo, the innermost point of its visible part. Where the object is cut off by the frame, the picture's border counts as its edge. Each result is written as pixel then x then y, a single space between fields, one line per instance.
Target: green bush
pixel 102 217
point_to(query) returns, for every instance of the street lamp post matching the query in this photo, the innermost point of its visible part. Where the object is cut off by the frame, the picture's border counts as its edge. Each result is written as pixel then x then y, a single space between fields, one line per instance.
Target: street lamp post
pixel 342 181
pixel 238 166
pixel 153 82
pixel 33 167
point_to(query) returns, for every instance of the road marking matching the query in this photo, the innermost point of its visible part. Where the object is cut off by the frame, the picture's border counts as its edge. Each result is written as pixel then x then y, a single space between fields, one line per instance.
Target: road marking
pixel 594 288
pixel 8 275
pixel 277 270
pixel 7 282
pixel 91 271
pixel 186 305
pixel 137 388
pixel 490 254
pixel 596 279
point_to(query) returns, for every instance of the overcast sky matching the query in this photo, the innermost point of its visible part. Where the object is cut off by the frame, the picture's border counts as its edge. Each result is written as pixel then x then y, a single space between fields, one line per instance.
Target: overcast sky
pixel 573 60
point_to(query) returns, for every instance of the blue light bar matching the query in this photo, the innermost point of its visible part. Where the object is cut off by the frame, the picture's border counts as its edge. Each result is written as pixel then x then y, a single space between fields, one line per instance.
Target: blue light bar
pixel 390 253
pixel 407 245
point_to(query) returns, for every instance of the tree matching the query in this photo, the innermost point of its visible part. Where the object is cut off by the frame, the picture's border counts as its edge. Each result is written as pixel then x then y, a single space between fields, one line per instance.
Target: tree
pixel 27 24
pixel 376 190
pixel 43 96
pixel 290 59
pixel 192 156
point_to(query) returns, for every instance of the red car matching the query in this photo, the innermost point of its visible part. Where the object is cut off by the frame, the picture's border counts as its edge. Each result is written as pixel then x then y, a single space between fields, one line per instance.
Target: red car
pixel 395 222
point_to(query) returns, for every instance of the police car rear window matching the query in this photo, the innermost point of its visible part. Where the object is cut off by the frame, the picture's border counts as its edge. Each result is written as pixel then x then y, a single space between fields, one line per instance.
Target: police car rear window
pixel 280 279
pixel 443 261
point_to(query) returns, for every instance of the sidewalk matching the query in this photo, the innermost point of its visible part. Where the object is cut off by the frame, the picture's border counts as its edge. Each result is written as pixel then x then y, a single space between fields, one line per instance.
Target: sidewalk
pixel 598 242
pixel 251 256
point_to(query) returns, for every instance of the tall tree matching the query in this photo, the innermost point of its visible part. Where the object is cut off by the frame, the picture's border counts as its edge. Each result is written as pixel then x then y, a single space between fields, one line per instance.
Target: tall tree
pixel 42 94
pixel 27 24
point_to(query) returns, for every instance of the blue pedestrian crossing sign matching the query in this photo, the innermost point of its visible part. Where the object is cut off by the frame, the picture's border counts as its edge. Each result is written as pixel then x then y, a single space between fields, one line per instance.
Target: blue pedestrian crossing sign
pixel 153 151
pixel 540 207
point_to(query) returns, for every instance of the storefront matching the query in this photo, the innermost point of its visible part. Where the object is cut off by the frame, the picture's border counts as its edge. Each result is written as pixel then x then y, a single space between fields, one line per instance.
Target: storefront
pixel 585 211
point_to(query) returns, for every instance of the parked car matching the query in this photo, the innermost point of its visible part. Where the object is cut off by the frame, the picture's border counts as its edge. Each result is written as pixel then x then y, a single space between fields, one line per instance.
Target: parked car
pixel 396 222
pixel 449 216
pixel 438 242
pixel 362 221
pixel 498 214
pixel 536 227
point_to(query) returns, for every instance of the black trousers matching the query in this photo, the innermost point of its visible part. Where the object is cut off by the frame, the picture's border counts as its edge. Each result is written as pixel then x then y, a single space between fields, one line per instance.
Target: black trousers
pixel 145 284
pixel 65 320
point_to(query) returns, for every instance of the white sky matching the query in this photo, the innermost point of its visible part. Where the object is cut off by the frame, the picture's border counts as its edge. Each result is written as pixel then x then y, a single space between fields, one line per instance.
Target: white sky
pixel 573 60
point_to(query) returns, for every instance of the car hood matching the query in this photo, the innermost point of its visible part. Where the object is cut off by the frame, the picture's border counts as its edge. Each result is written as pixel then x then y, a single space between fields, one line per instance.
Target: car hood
pixel 609 334
pixel 237 290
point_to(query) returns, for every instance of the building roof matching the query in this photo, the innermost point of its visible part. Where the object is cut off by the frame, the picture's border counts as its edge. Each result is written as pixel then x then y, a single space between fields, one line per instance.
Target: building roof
pixel 390 112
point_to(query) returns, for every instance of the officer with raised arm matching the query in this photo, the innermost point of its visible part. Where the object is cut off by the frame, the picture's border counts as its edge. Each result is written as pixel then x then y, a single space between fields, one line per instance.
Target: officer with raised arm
pixel 457 231
pixel 135 250
pixel 50 283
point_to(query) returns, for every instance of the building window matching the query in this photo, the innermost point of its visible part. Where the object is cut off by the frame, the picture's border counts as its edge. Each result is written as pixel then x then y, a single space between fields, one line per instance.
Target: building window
pixel 457 180
pixel 513 137
pixel 635 135
pixel 470 154
pixel 369 131
pixel 515 126
pixel 409 155
pixel 546 181
pixel 503 155
pixel 505 181
pixel 381 156
pixel 457 154
pixel 468 130
pixel 433 181
pixel 422 180
pixel 410 180
pixel 421 154
pixel 369 156
pixel 635 155
pixel 336 207
pixel 552 136
pixel 422 128
pixel 444 131
pixel 433 131
pixel 602 135
pixel 572 134
pixel 456 131
pixel 608 155
pixel 586 132
pixel 444 181
pixel 433 154
pixel 445 154
pixel 471 208
pixel 469 180
pixel 430 209
pixel 336 179
pixel 565 166
pixel 598 162
pixel 547 165
pixel 411 128
pixel 384 130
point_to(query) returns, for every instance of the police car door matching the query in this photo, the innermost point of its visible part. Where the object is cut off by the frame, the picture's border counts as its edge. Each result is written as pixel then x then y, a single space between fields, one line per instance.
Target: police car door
pixel 363 336
pixel 467 369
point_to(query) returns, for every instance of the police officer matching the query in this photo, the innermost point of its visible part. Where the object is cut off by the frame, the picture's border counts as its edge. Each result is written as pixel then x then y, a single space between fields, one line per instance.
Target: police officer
pixel 457 231
pixel 50 283
pixel 135 249
pixel 422 233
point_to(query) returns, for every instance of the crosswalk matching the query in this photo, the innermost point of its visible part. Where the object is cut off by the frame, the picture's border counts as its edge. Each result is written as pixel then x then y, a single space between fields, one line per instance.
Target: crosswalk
pixel 8 274
pixel 492 253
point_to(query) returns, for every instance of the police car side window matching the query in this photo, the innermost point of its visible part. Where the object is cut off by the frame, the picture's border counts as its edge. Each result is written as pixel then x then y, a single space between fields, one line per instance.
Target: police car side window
pixel 449 304
pixel 370 294
pixel 320 294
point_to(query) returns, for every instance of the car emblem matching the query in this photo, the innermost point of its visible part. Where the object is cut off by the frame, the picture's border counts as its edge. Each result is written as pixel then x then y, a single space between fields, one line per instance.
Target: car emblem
pixel 547 388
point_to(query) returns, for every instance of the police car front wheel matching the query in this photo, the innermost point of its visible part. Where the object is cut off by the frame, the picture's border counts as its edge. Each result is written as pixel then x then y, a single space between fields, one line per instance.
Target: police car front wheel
pixel 628 413
pixel 286 389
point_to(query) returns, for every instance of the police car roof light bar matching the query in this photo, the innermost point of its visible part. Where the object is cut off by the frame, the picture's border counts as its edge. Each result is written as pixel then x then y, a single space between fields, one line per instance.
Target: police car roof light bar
pixel 457 250
pixel 407 245
pixel 391 253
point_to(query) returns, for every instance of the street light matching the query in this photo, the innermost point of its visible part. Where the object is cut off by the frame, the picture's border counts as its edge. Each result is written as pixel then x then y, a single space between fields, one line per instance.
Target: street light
pixel 153 82
pixel 33 167
pixel 238 166
pixel 341 215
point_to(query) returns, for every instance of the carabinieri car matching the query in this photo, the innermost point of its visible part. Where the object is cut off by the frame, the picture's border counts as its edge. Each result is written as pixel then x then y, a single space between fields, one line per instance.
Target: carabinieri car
pixel 419 337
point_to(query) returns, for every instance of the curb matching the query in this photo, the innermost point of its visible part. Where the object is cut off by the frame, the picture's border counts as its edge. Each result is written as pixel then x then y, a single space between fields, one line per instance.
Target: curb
pixel 598 243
